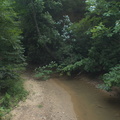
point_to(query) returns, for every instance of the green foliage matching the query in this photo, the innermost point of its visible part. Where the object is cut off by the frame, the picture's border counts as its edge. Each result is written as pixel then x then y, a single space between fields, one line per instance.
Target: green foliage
pixel 12 92
pixel 113 77
pixel 12 59
pixel 91 45
pixel 10 48
pixel 40 34
pixel 6 102
pixel 11 89
pixel 65 51
pixel 74 8
pixel 3 111
pixel 117 27
pixel 81 31
pixel 40 106
pixel 8 78
pixel 98 37
pixel 68 69
pixel 54 7
pixel 44 72
pixel 100 31
pixel 104 87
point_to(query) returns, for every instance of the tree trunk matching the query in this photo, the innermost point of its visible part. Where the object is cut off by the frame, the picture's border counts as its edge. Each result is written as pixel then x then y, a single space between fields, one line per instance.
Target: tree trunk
pixel 38 31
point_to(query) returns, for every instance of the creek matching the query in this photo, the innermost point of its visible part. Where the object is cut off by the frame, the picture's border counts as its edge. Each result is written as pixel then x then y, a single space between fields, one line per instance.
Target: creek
pixel 89 102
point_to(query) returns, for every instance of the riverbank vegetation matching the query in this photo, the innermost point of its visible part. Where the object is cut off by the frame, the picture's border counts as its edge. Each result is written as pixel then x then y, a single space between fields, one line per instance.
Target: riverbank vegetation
pixel 12 59
pixel 77 35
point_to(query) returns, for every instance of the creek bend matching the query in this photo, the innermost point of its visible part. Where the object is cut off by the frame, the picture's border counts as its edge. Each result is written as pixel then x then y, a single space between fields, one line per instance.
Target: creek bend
pixel 89 102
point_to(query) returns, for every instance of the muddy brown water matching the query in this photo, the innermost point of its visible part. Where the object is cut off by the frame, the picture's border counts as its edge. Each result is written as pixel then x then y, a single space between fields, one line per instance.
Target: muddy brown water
pixel 89 102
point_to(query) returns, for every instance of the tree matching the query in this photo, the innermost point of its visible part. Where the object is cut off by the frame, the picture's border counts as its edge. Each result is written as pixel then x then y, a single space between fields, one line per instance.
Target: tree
pixel 92 44
pixel 74 9
pixel 39 31
pixel 97 43
pixel 12 60
pixel 11 51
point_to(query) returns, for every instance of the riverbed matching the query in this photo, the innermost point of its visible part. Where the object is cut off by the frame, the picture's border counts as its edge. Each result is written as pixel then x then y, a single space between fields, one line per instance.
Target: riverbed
pixel 66 98
pixel 89 102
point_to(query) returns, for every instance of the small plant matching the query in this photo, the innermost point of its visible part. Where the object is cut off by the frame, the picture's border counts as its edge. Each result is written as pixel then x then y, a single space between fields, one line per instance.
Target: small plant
pixel 104 87
pixel 45 71
pixel 3 111
pixel 6 101
pixel 40 106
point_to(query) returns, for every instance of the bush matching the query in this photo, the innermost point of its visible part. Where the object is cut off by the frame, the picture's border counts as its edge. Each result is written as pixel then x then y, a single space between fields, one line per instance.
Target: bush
pixel 45 71
pixel 113 77
pixel 13 93
pixel 68 69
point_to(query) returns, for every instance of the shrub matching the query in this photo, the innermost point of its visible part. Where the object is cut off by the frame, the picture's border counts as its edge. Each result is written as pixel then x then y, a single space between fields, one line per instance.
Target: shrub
pixel 113 77
pixel 45 71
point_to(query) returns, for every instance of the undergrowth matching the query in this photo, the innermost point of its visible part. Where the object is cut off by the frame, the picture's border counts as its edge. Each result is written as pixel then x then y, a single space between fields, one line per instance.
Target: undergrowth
pixel 44 72
pixel 11 96
pixel 112 78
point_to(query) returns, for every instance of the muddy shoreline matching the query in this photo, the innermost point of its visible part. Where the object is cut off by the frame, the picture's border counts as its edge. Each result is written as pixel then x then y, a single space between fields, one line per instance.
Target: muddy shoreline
pixel 89 102
pixel 64 98
pixel 46 101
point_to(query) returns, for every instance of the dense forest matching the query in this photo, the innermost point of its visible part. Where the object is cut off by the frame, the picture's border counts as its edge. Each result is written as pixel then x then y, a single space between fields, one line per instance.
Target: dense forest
pixel 72 36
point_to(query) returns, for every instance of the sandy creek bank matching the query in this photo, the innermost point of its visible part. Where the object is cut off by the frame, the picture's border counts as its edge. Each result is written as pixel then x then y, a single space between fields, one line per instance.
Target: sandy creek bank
pixel 46 101
pixel 63 98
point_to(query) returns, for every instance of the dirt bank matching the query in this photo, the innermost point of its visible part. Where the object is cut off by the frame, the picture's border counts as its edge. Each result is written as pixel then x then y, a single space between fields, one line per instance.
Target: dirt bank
pixel 46 101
